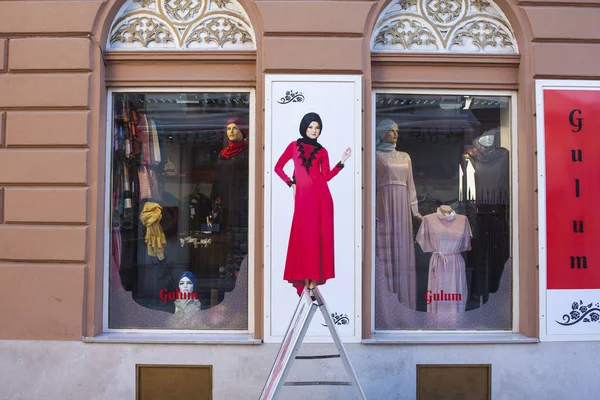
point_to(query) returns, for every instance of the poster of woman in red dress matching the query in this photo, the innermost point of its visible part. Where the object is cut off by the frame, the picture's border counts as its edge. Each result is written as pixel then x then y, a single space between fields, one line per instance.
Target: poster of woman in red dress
pixel 310 254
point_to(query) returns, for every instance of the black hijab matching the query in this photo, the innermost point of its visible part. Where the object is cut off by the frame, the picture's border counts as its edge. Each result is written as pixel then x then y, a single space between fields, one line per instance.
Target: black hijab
pixel 306 121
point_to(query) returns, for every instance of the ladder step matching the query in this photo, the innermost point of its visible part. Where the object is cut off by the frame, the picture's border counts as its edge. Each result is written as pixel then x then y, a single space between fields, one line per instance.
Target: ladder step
pixel 318 383
pixel 317 357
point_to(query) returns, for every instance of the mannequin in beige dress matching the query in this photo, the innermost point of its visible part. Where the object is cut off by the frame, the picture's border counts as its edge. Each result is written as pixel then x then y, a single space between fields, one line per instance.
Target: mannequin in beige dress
pixel 396 204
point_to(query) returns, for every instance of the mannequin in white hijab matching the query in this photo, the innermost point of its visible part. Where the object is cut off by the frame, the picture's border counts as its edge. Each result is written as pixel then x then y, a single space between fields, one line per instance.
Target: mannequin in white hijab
pixel 396 205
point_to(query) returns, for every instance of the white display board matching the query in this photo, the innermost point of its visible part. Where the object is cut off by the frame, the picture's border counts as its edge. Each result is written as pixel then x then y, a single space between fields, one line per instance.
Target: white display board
pixel 338 101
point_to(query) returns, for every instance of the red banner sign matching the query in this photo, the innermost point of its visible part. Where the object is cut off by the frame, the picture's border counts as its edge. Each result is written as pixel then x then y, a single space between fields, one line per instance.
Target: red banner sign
pixel 572 136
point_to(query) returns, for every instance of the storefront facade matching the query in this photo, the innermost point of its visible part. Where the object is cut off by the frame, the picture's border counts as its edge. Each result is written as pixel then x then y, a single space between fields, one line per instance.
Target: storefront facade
pixel 113 112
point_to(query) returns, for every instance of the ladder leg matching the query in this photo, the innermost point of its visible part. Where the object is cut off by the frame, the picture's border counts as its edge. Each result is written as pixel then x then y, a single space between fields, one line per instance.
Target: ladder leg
pixel 289 347
pixel 338 343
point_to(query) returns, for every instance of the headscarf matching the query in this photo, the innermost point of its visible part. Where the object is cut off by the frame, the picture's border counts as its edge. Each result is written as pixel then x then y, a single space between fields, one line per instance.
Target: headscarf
pixel 484 154
pixel 241 126
pixel 191 276
pixel 235 148
pixel 382 128
pixel 306 121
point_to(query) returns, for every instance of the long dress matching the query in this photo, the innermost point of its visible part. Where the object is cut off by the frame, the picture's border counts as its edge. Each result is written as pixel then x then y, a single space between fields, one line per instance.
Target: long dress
pixel 396 198
pixel 446 236
pixel 310 253
pixel 491 242
pixel 219 263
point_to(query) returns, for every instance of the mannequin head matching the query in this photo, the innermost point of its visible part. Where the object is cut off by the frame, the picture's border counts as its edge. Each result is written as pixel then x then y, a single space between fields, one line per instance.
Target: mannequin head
pixel 387 131
pixel 391 136
pixel 235 130
pixel 486 140
pixel 233 133
pixel 187 282
pixel 311 126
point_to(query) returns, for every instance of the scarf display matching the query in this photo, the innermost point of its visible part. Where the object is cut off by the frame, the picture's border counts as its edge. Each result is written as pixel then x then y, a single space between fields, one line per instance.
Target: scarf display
pixel 482 153
pixel 151 216
pixel 233 149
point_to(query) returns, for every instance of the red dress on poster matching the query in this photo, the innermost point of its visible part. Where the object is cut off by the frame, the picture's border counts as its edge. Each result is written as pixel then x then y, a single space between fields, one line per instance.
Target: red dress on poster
pixel 310 252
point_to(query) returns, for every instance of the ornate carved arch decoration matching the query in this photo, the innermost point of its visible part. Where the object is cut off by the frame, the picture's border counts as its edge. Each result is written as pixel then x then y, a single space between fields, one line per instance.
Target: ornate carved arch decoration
pixel 181 25
pixel 443 26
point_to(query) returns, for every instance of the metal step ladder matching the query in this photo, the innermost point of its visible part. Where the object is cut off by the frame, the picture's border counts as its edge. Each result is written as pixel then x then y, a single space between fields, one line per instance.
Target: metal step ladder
pixel 291 344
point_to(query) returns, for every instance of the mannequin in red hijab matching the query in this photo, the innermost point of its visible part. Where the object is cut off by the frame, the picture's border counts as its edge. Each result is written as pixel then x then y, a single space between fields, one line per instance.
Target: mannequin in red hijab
pixel 229 199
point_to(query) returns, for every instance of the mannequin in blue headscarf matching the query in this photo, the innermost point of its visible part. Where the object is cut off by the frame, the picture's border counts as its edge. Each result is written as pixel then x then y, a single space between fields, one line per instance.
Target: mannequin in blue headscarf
pixel 187 298
pixel 396 200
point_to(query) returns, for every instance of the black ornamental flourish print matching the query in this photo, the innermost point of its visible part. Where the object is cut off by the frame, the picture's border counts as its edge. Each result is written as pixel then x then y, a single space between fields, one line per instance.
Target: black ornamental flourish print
pixel 292 97
pixel 581 313
pixel 339 319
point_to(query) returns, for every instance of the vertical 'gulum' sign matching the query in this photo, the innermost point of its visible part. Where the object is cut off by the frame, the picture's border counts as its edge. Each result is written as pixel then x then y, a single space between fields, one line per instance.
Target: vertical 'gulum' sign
pixel 572 140
pixel 572 122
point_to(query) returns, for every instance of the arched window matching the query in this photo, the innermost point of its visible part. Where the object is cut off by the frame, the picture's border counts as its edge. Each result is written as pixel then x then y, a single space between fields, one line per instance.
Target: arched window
pixel 181 25
pixel 181 78
pixel 443 26
pixel 443 74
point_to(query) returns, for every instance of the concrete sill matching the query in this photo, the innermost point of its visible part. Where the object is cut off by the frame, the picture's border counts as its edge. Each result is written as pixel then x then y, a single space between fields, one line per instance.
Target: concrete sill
pixel 449 338
pixel 173 338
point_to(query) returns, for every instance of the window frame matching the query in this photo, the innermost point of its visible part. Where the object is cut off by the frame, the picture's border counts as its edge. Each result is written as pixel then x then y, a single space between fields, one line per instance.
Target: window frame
pixel 420 335
pixel 251 205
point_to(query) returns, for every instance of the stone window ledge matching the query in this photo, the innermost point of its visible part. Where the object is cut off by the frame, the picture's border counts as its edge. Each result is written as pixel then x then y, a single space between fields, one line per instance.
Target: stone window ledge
pixel 449 338
pixel 173 338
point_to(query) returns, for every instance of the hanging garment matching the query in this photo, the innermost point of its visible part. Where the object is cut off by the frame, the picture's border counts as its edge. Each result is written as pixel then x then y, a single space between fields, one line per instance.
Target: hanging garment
pixel 155 156
pixel 491 233
pixel 155 238
pixel 396 203
pixel 446 236
pixel 229 208
pixel 143 130
pixel 310 253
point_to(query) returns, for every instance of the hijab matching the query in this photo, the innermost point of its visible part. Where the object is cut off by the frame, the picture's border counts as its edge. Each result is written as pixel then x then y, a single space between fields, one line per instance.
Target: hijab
pixel 192 277
pixel 235 148
pixel 382 128
pixel 482 153
pixel 306 121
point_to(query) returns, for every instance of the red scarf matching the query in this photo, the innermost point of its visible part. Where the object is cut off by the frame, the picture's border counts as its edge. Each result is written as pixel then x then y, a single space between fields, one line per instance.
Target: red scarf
pixel 233 149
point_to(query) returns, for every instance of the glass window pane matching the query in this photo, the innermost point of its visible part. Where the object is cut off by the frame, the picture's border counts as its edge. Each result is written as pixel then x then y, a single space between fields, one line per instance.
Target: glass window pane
pixel 179 211
pixel 443 219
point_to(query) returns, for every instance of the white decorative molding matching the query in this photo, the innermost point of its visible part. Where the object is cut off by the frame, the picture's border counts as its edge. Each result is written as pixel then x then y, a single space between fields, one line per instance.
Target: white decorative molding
pixel 181 25
pixel 443 26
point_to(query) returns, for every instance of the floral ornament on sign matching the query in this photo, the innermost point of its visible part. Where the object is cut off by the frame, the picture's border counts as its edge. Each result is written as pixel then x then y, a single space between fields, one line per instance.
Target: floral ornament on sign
pixel 580 312
pixel 339 319
pixel 292 97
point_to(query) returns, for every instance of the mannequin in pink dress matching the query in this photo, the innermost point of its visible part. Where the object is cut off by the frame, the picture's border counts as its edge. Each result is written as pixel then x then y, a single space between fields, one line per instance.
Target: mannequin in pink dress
pixel 445 234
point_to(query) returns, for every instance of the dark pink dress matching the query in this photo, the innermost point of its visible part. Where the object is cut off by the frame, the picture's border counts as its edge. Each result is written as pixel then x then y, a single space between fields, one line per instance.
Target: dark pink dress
pixel 310 252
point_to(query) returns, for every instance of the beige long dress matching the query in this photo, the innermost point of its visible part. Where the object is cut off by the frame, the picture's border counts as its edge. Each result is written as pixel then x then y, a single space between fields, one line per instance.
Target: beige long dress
pixel 446 236
pixel 396 198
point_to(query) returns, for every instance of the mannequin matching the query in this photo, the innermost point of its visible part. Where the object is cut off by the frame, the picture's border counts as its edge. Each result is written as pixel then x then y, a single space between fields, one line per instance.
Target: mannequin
pixel 310 254
pixel 445 234
pixel 227 219
pixel 486 182
pixel 187 298
pixel 396 200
